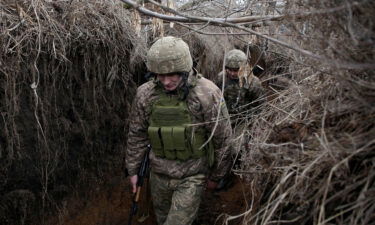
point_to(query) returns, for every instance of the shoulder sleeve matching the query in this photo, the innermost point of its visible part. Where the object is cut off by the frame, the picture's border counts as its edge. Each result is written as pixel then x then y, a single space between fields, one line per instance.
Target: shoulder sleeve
pixel 218 124
pixel 137 136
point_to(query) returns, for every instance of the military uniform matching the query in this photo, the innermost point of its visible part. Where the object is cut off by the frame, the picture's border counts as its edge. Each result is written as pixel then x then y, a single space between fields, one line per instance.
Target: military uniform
pixel 242 92
pixel 240 99
pixel 177 180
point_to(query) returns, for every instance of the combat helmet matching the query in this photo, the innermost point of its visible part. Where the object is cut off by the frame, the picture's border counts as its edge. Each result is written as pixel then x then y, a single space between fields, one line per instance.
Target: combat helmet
pixel 169 55
pixel 235 58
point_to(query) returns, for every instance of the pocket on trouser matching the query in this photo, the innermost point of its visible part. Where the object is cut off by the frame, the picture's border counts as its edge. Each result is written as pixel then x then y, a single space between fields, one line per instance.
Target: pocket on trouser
pixel 186 200
pixel 161 196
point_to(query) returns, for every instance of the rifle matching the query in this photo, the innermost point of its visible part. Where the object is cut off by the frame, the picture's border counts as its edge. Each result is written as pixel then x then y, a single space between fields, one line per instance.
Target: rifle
pixel 142 173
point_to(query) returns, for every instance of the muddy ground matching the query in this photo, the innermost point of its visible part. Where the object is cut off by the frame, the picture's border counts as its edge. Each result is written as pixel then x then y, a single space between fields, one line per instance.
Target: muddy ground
pixel 112 206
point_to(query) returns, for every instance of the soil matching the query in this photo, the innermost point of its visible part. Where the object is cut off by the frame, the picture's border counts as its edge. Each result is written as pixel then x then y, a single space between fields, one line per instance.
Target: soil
pixel 112 206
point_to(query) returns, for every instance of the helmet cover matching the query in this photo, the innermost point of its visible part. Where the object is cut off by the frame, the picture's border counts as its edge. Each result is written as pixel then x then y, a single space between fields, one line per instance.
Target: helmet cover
pixel 235 58
pixel 169 55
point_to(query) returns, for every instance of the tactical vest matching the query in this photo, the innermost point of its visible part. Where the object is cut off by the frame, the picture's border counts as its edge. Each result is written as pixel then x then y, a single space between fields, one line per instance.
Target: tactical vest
pixel 170 131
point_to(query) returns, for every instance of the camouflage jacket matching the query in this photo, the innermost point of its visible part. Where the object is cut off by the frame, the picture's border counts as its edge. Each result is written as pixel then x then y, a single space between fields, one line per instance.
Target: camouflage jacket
pixel 204 102
pixel 238 98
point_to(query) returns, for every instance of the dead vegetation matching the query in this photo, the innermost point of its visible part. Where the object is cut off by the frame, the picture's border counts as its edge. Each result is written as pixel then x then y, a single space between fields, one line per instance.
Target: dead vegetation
pixel 311 157
pixel 68 74
pixel 66 83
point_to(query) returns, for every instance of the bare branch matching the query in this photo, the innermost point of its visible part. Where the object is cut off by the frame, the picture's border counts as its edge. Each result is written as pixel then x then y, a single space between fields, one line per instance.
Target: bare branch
pixel 195 19
pixel 244 19
pixel 231 22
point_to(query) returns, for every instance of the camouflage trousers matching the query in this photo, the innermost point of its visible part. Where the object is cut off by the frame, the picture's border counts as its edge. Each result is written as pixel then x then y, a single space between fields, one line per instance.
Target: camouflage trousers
pixel 176 201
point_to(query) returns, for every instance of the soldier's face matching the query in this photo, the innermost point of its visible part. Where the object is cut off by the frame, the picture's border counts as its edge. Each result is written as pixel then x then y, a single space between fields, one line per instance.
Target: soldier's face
pixel 169 81
pixel 232 73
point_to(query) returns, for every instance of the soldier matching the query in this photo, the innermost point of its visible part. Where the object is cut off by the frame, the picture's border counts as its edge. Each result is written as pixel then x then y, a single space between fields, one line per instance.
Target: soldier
pixel 181 114
pixel 242 90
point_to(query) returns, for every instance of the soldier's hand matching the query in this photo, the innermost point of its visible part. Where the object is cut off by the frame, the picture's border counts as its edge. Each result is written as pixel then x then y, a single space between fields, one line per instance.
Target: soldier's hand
pixel 133 182
pixel 211 185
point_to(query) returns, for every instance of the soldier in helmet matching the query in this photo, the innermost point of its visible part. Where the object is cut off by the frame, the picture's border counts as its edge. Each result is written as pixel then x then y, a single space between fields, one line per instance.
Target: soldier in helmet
pixel 242 90
pixel 181 114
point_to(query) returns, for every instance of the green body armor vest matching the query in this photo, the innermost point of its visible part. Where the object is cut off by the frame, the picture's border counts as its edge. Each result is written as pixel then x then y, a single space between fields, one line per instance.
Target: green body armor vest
pixel 171 134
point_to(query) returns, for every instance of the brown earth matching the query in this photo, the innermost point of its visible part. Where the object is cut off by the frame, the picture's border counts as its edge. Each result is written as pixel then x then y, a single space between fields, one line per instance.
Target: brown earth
pixel 112 206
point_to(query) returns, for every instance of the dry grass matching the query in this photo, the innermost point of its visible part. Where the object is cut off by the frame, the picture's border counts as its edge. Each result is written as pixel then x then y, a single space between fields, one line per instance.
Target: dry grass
pixel 66 83
pixel 67 78
pixel 311 149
